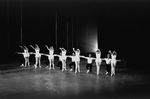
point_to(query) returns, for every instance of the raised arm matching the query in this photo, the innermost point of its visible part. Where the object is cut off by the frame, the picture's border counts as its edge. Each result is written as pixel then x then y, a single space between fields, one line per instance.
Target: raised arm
pixel 61 49
pixel 37 46
pixel 114 52
pixel 47 47
pixel 74 49
pixel 21 47
pixel 32 47
pixel 25 47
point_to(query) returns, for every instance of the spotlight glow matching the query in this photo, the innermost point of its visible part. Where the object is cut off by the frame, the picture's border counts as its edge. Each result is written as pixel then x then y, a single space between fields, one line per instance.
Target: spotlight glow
pixel 95 47
pixel 89 39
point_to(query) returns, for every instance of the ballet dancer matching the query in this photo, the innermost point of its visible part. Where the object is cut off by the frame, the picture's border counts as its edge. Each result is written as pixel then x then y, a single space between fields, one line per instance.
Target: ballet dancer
pixel 64 57
pixel 37 56
pixel 77 60
pixel 108 64
pixel 59 64
pixel 98 60
pixel 113 62
pixel 25 55
pixel 72 61
pixel 89 62
pixel 62 61
pixel 50 57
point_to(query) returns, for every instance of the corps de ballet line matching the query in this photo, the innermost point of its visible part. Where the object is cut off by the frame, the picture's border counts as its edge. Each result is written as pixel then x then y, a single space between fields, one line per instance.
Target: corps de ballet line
pixel 75 57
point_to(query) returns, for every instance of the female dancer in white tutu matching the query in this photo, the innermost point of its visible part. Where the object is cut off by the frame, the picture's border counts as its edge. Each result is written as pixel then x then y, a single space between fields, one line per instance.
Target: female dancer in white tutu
pixel 63 57
pixel 50 57
pixel 98 60
pixel 77 60
pixel 26 56
pixel 113 62
pixel 37 56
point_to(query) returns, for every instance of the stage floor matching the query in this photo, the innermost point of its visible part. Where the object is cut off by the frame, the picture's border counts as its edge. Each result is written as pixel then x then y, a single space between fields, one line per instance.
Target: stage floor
pixel 28 83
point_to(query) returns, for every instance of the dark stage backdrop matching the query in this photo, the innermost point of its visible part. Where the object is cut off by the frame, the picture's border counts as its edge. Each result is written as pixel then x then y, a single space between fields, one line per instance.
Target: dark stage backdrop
pixel 84 24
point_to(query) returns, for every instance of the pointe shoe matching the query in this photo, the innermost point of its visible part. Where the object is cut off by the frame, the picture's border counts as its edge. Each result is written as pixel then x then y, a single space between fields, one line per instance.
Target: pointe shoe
pixel 47 67
pixel 22 65
pixel 87 71
pixel 106 73
pixel 112 74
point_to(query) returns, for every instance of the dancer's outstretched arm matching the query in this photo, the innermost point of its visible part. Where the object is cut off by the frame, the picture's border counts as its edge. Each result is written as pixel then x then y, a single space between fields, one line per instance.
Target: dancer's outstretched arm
pixel 83 56
pixel 56 55
pixel 19 52
pixel 31 53
pixel 93 58
pixel 32 47
pixel 69 56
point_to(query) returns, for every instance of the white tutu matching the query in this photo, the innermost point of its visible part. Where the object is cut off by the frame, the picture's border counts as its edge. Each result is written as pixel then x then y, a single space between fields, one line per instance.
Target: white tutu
pixel 37 55
pixel 98 60
pixel 51 57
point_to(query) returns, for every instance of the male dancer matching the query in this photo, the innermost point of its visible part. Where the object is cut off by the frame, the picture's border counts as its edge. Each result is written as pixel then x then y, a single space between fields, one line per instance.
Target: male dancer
pixel 77 60
pixel 89 63
pixel 60 61
pixel 108 64
pixel 50 57
pixel 37 56
pixel 25 55
pixel 98 60
pixel 73 61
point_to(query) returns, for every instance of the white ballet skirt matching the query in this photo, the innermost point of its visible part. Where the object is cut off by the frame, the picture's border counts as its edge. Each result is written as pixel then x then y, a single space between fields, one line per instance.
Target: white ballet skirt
pixel 113 61
pixel 73 58
pixel 98 60
pixel 37 55
pixel 51 57
pixel 63 57
pixel 26 54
